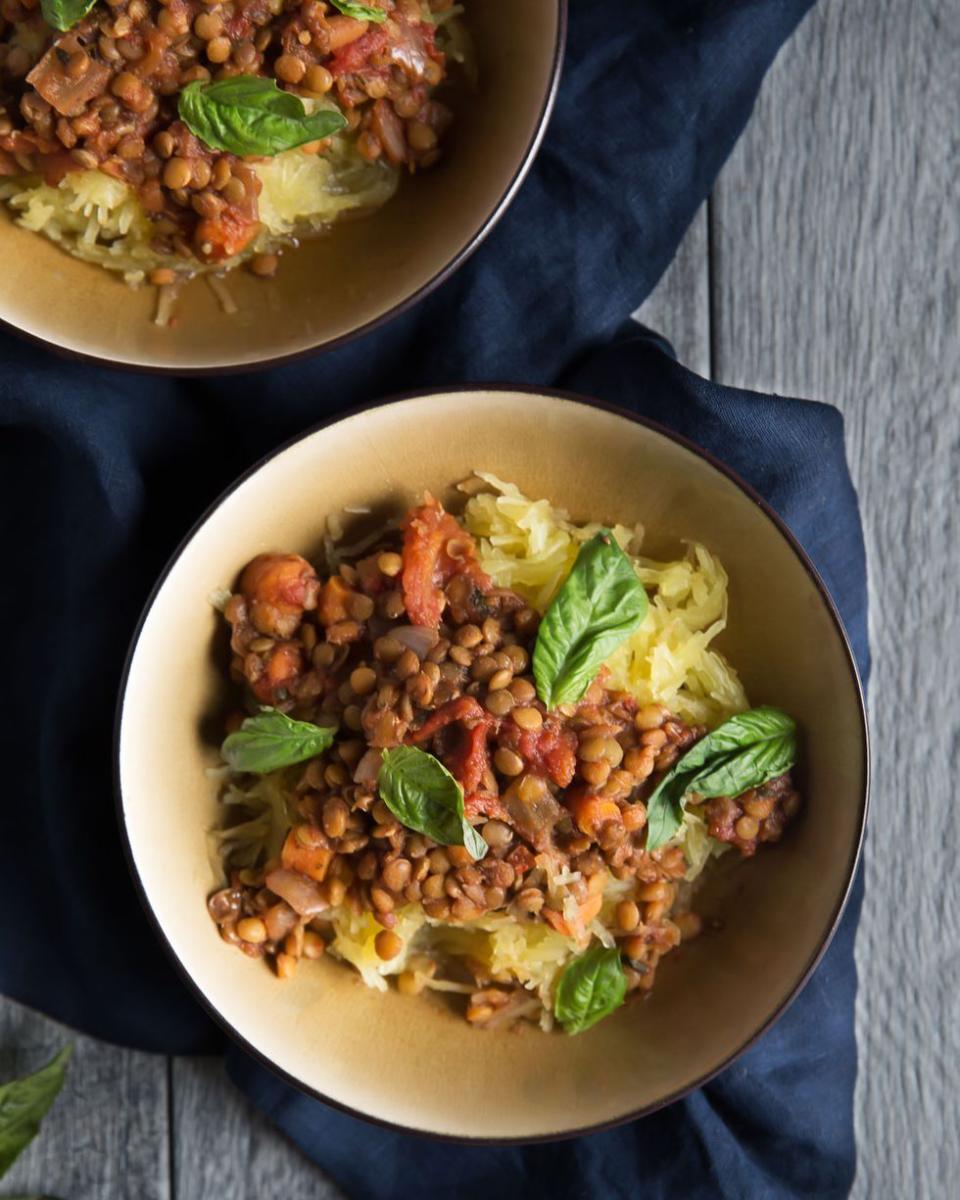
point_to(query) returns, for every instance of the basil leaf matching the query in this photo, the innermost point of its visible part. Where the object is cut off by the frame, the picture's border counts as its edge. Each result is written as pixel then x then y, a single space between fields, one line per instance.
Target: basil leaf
pixel 360 12
pixel 423 795
pixel 746 751
pixel 23 1105
pixel 600 604
pixel 64 14
pixel 590 988
pixel 272 740
pixel 248 114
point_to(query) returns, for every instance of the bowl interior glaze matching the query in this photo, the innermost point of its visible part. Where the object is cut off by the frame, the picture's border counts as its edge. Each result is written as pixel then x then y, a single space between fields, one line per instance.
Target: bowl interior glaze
pixel 331 286
pixel 413 1061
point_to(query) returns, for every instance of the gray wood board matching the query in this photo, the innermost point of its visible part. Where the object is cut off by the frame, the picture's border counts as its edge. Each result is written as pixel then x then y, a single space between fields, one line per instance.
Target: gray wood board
pixel 106 1138
pixel 224 1148
pixel 836 243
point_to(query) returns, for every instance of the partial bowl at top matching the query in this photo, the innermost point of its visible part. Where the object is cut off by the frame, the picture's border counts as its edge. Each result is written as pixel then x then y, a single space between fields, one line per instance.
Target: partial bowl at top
pixel 334 286
pixel 402 1059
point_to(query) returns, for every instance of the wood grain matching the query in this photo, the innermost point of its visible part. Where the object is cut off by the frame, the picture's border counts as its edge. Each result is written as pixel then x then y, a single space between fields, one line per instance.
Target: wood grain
pixel 836 242
pixel 106 1138
pixel 224 1148
pixel 679 306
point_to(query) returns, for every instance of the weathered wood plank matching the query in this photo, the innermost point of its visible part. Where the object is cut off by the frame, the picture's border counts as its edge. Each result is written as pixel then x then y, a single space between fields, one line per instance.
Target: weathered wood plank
pixel 836 264
pixel 679 306
pixel 106 1138
pixel 224 1148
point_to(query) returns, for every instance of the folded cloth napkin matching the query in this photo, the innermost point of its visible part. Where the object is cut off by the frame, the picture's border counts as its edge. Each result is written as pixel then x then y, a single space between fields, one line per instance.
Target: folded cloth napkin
pixel 101 473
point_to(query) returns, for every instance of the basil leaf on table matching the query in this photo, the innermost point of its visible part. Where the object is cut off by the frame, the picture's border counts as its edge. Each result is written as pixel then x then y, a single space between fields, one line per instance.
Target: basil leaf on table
pixel 423 795
pixel 64 14
pixel 360 12
pixel 744 752
pixel 600 603
pixel 272 740
pixel 251 115
pixel 24 1103
pixel 590 988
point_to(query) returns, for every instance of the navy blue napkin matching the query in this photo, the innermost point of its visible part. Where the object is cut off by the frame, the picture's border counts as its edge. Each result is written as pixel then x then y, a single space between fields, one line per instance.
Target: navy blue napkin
pixel 779 1122
pixel 101 473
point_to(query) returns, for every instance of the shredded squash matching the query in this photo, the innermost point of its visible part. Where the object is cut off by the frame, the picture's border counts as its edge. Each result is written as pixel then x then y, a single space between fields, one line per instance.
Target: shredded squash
pixel 530 546
pixel 99 219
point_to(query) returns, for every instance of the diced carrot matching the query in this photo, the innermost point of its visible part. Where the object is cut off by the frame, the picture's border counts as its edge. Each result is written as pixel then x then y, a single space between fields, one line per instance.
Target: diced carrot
pixel 556 921
pixel 312 861
pixel 283 667
pixel 591 812
pixel 589 909
pixel 332 606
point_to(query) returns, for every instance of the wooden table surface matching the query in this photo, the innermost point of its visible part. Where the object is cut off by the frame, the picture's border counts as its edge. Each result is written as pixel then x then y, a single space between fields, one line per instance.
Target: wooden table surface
pixel 826 264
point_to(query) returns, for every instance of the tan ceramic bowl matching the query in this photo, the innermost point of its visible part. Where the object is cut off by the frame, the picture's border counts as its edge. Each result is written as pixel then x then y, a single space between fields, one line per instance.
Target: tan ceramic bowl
pixel 332 287
pixel 412 1061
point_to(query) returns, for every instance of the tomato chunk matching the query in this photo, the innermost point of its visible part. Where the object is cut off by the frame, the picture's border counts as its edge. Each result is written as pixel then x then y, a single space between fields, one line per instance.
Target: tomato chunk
pixel 464 708
pixel 549 750
pixel 469 763
pixel 278 588
pixel 435 550
pixel 224 236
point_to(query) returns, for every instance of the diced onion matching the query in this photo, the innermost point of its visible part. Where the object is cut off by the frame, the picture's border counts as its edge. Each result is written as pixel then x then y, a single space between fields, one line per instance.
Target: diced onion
pixel 300 893
pixel 418 638
pixel 368 768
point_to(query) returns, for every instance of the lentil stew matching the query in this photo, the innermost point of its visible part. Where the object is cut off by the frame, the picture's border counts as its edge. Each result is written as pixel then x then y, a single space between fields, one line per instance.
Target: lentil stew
pixel 99 151
pixel 412 639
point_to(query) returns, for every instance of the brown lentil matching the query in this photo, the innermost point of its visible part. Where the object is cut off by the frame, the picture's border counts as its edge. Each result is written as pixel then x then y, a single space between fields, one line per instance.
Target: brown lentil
pixel 387 944
pixel 527 718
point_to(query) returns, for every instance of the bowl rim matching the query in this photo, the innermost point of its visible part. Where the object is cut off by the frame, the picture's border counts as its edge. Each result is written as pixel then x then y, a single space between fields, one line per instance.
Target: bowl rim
pixel 864 801
pixel 473 242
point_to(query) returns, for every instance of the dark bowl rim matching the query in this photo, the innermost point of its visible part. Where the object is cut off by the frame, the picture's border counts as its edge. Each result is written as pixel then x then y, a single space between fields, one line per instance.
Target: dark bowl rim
pixel 804 559
pixel 473 242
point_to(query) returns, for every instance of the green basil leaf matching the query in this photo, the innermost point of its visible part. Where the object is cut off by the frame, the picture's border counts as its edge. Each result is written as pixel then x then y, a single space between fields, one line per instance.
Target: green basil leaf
pixel 64 14
pixel 248 114
pixel 748 768
pixel 423 795
pixel 746 751
pixel 590 988
pixel 360 12
pixel 272 740
pixel 23 1105
pixel 600 603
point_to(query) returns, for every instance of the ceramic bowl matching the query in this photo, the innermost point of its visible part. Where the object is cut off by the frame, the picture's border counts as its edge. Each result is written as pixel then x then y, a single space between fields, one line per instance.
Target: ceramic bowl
pixel 413 1061
pixel 333 287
